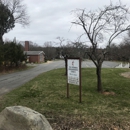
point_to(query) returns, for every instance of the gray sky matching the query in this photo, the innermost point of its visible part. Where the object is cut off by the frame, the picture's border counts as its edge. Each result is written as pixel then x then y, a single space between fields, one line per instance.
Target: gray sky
pixel 52 18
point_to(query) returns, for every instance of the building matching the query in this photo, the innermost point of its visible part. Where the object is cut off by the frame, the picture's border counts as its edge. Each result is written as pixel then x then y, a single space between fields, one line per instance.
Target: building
pixel 33 56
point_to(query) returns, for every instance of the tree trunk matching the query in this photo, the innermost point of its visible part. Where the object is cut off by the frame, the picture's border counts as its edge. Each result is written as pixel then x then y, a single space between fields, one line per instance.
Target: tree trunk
pixel 99 81
pixel 65 65
pixel 65 58
pixel 1 39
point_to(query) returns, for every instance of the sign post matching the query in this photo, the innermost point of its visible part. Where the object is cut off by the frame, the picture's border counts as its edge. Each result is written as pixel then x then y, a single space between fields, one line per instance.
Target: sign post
pixel 74 74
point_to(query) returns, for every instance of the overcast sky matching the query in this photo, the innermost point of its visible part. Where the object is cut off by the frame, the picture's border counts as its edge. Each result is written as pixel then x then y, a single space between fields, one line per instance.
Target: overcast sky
pixel 52 18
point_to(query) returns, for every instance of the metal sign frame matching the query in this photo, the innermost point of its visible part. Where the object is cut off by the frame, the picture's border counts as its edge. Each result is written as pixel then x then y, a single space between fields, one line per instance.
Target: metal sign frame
pixel 71 70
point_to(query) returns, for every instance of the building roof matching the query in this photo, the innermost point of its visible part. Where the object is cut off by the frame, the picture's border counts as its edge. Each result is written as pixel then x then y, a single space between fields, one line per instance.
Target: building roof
pixel 34 52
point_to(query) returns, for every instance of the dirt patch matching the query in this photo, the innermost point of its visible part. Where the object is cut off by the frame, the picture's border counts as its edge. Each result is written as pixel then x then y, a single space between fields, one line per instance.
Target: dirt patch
pixel 108 93
pixel 49 61
pixel 126 74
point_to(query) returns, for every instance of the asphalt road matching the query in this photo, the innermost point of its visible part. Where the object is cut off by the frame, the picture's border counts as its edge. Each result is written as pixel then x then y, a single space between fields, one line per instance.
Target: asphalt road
pixel 106 64
pixel 13 80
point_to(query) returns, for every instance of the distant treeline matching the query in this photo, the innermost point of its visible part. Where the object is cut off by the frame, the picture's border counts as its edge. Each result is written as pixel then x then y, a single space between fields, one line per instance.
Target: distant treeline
pixel 11 53
pixel 120 52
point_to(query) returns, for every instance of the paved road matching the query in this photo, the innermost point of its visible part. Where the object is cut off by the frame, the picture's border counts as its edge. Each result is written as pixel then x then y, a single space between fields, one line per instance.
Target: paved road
pixel 11 81
pixel 106 64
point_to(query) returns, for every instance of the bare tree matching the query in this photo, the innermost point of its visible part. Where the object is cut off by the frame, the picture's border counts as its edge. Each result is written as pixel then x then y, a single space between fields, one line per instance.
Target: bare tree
pixel 125 47
pixel 63 51
pixel 50 51
pixel 78 49
pixel 102 26
pixel 18 11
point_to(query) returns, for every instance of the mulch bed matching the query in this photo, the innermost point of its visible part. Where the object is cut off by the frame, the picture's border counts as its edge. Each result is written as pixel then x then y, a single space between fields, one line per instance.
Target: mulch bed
pixel 71 123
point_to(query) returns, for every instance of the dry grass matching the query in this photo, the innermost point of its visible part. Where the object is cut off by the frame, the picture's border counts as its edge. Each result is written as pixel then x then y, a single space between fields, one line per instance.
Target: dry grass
pixel 9 69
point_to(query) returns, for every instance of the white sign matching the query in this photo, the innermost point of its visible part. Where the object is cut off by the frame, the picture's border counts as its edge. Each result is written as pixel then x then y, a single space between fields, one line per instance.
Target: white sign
pixel 73 71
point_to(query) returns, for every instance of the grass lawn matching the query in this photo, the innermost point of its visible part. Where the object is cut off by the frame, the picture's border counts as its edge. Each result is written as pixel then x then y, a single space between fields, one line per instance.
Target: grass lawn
pixel 47 95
